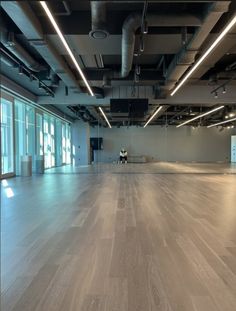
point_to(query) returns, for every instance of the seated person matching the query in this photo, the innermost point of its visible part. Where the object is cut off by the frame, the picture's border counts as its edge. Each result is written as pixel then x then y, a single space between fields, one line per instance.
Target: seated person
pixel 123 155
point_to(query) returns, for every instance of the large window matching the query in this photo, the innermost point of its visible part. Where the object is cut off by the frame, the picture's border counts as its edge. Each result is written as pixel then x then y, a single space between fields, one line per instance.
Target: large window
pixel 39 133
pixel 30 131
pixel 47 141
pixel 33 133
pixel 63 131
pixel 68 144
pixel 58 143
pixel 7 151
pixel 20 133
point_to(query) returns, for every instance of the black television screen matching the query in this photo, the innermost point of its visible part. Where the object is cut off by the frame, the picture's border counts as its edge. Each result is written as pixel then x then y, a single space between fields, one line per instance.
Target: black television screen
pixel 96 143
pixel 132 107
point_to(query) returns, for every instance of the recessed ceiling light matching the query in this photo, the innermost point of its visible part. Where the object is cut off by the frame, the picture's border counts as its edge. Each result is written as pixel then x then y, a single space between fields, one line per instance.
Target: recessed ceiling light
pixel 63 40
pixel 200 116
pixel 105 117
pixel 154 114
pixel 207 52
pixel 223 122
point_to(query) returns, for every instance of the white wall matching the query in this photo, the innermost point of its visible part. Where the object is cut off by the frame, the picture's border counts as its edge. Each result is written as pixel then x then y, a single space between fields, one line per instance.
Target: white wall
pixel 166 144
pixel 81 143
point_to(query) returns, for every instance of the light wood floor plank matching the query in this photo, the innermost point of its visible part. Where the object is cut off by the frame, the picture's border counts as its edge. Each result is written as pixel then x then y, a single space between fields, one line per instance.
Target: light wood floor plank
pixel 121 238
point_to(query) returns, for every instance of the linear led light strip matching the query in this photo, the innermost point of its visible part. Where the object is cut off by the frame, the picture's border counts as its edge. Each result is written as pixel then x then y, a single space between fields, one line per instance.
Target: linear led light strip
pixel 223 122
pixel 58 31
pixel 105 117
pixel 155 113
pixel 200 116
pixel 208 51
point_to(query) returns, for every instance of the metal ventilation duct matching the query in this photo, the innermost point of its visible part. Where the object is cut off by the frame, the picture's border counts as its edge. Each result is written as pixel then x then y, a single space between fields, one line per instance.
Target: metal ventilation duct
pixel 10 42
pixel 98 15
pixel 23 16
pixel 133 22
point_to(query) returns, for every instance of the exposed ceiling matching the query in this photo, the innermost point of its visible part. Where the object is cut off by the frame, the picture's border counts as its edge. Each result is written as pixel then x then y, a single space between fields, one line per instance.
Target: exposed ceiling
pixel 128 63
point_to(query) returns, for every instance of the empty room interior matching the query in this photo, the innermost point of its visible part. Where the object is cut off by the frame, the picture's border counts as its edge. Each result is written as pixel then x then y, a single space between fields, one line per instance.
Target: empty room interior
pixel 118 155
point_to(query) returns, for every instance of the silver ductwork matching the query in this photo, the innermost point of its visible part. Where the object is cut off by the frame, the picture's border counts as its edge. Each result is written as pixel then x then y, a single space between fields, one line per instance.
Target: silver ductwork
pixel 25 19
pixel 98 18
pixel 10 42
pixel 187 55
pixel 133 22
pixel 130 26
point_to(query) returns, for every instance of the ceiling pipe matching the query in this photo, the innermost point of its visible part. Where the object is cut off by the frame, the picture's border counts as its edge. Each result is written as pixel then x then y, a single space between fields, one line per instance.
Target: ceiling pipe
pixel 186 57
pixel 133 22
pixel 7 60
pixel 99 20
pixel 12 61
pixel 10 42
pixel 54 79
pixel 26 20
pixel 82 113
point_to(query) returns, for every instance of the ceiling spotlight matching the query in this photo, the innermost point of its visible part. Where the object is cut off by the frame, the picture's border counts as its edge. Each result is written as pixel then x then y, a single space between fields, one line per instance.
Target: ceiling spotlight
pixel 184 35
pixel 137 70
pixel 145 27
pixel 231 115
pixel 216 95
pixel 232 126
pixel 224 90
pixel 20 70
pixel 141 47
pixel 226 117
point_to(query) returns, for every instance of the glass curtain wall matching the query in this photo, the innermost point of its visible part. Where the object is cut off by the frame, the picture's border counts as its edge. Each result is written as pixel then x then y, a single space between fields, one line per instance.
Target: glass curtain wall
pixel 63 131
pixel 39 133
pixel 7 143
pixel 58 145
pixel 68 144
pixel 20 134
pixel 30 132
pixel 27 130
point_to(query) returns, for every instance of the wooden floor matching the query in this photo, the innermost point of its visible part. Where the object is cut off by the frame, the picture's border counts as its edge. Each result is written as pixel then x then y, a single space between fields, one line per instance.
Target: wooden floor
pixel 119 241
